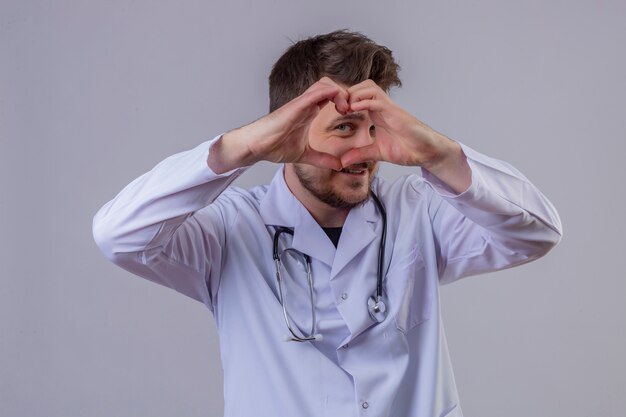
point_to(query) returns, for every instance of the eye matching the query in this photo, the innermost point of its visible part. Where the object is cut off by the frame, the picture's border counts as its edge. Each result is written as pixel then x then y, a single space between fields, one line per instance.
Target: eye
pixel 344 127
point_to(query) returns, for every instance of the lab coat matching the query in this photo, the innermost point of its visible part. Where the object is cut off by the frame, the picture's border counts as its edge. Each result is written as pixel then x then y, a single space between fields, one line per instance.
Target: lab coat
pixel 182 226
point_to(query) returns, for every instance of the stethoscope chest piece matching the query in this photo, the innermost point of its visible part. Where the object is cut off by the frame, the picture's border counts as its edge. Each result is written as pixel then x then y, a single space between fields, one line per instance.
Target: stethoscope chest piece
pixel 377 309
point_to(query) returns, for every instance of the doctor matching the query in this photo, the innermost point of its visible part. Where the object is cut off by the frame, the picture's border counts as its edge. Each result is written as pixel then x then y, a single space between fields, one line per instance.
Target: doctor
pixel 344 265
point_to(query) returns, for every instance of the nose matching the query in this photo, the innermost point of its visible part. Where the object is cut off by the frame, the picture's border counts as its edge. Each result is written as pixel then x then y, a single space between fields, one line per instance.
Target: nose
pixel 366 136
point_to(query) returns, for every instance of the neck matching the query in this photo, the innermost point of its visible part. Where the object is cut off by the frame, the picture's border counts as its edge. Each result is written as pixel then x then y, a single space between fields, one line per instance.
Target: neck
pixel 324 214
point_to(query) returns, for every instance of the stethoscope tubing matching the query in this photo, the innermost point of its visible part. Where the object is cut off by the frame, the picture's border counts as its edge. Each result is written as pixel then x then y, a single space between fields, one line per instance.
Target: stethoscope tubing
pixel 381 248
pixel 376 305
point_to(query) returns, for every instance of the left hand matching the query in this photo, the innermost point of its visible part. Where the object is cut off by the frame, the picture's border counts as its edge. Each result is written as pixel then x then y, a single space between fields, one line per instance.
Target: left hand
pixel 402 139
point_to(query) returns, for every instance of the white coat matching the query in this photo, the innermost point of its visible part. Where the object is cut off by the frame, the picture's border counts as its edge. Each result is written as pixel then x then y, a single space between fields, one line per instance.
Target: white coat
pixel 180 226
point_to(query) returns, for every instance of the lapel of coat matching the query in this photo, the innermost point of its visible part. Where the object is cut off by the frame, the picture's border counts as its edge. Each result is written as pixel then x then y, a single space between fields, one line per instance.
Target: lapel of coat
pixel 357 234
pixel 357 278
pixel 279 207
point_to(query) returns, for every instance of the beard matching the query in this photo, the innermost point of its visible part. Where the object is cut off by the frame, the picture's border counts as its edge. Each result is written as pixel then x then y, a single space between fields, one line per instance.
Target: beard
pixel 324 191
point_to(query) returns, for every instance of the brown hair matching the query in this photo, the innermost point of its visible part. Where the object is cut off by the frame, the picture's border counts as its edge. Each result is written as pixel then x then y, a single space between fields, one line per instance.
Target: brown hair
pixel 346 57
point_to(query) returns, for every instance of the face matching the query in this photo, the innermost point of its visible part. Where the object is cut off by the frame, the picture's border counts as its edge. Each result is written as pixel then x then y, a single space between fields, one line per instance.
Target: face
pixel 335 134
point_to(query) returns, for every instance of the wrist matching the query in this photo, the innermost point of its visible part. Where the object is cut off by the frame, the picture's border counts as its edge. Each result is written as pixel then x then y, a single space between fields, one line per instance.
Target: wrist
pixel 440 153
pixel 229 152
pixel 449 164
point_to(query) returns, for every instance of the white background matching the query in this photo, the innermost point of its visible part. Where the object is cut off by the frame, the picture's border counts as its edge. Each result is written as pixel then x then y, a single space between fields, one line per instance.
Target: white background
pixel 92 94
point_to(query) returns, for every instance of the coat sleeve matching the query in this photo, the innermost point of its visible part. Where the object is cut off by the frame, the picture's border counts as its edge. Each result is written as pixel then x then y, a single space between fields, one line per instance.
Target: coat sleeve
pixel 501 220
pixel 163 227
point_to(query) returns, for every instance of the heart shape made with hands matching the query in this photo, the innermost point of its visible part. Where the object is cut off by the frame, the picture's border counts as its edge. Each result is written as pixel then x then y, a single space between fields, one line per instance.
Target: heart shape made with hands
pixel 398 137
pixel 283 135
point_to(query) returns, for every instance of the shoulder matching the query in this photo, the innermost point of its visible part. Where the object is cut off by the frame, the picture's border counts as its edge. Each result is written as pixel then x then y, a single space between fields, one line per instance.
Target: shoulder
pixel 235 203
pixel 407 195
pixel 406 187
pixel 240 199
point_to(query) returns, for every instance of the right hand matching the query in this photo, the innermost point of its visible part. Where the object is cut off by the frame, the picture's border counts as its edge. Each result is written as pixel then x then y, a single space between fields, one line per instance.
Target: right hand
pixel 283 135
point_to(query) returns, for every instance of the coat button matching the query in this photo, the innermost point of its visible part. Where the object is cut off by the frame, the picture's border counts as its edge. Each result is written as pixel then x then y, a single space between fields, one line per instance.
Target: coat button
pixel 365 405
pixel 344 296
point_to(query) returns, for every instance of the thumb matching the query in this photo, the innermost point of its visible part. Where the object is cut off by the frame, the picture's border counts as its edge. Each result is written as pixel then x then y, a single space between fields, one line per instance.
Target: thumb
pixel 362 154
pixel 320 159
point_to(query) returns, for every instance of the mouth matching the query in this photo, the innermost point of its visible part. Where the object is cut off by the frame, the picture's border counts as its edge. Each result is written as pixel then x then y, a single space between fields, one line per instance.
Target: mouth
pixel 357 169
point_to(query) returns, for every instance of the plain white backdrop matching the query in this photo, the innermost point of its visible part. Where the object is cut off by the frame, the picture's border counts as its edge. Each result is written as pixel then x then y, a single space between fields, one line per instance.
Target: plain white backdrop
pixel 94 93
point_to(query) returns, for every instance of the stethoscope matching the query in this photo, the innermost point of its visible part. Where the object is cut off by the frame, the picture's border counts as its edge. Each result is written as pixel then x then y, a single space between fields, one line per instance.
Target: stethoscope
pixel 375 303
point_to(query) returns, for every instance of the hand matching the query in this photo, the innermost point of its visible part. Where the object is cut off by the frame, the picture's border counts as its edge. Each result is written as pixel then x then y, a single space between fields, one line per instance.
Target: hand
pixel 283 135
pixel 402 139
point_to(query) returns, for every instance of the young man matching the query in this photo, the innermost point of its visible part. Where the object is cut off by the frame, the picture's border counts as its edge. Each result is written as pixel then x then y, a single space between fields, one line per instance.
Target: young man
pixel 344 263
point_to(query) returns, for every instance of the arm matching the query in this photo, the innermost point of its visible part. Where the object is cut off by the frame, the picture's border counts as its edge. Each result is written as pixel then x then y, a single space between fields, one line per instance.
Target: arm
pixel 487 214
pixel 501 220
pixel 149 228
pixel 163 227
pixel 283 135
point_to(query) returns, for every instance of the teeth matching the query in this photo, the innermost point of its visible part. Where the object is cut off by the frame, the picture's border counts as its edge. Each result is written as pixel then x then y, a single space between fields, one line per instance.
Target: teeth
pixel 356 168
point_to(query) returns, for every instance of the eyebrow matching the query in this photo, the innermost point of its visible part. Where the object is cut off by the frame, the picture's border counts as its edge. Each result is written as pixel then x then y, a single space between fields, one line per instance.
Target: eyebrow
pixel 345 118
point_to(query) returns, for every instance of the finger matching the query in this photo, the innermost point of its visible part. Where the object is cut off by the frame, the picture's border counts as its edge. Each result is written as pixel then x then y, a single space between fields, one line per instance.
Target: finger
pixel 317 94
pixel 341 102
pixel 327 90
pixel 365 90
pixel 322 103
pixel 342 96
pixel 371 105
pixel 362 154
pixel 362 85
pixel 367 98
pixel 321 159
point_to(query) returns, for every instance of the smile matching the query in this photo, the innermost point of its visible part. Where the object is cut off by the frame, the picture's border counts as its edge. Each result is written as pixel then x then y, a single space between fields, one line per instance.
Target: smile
pixel 356 169
pixel 353 171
